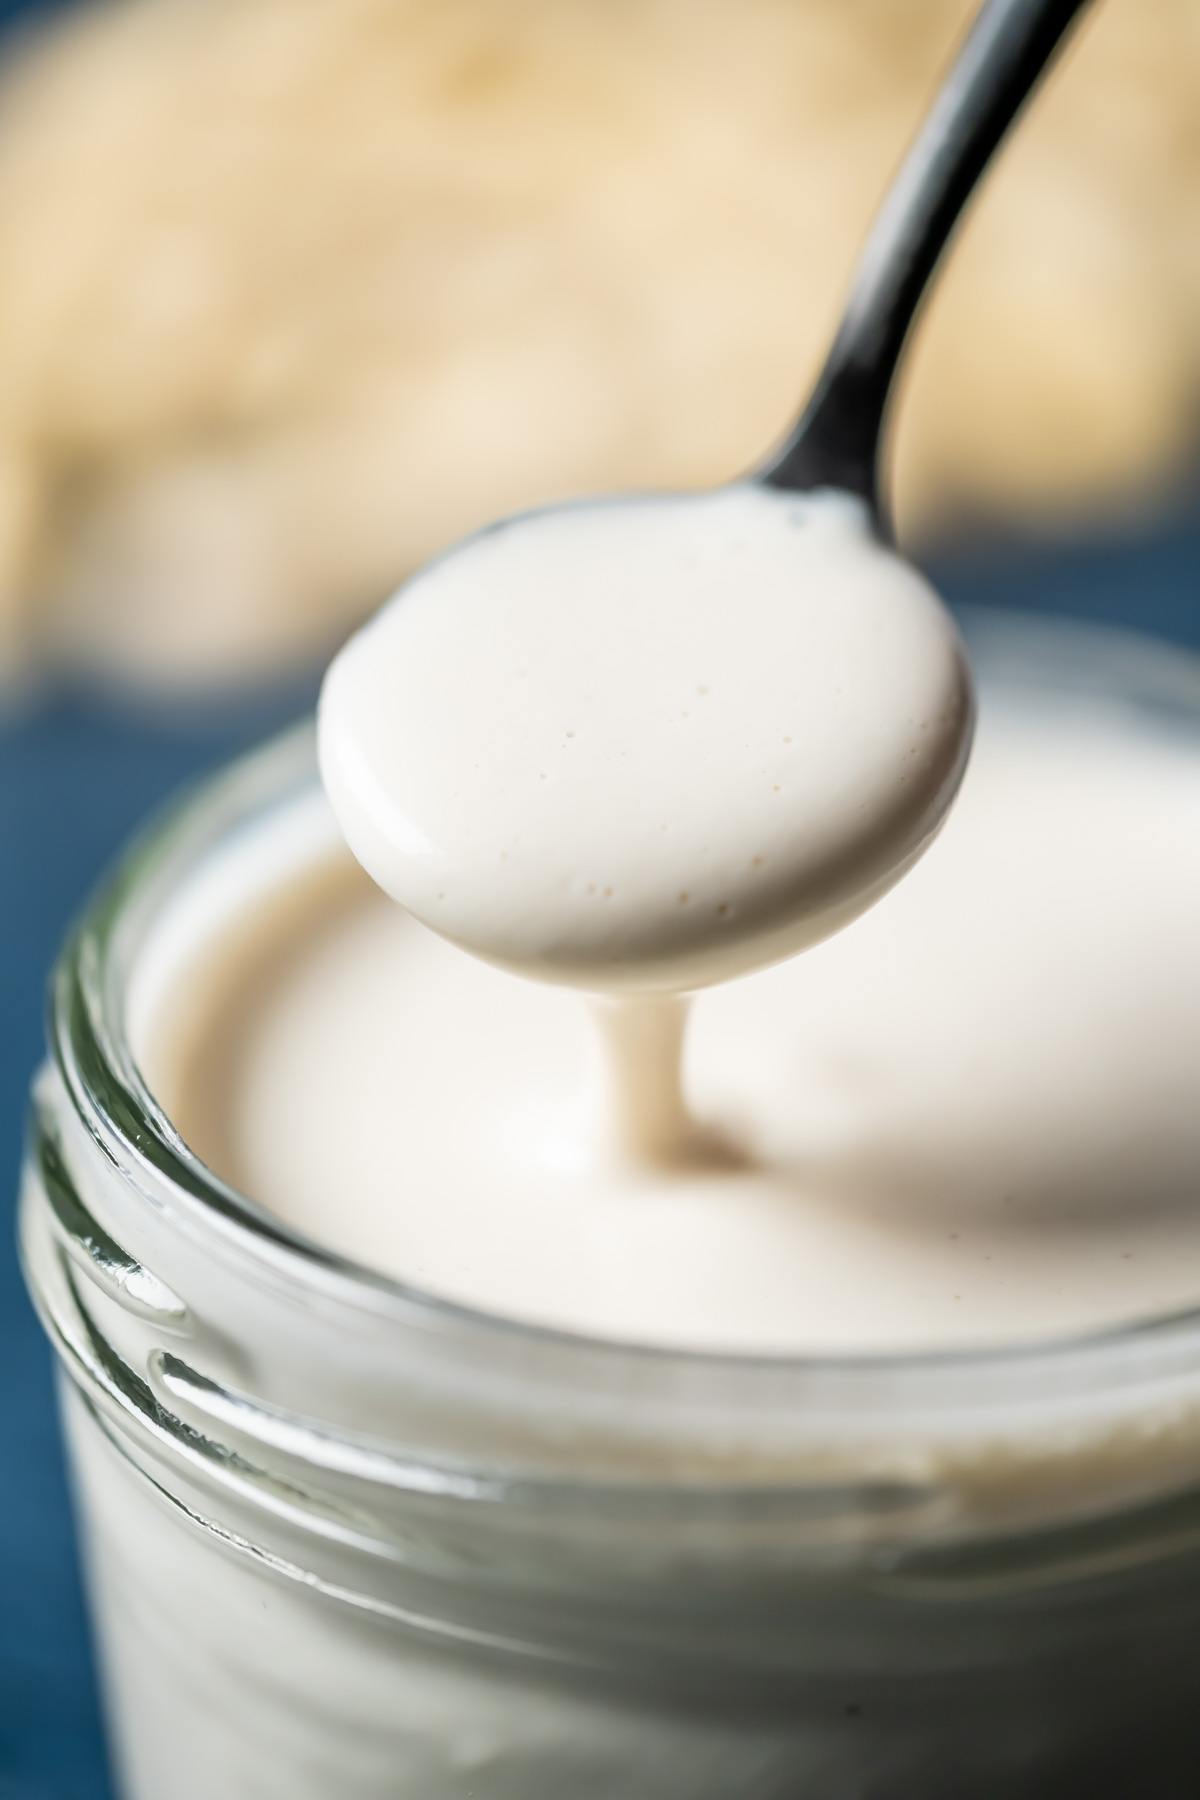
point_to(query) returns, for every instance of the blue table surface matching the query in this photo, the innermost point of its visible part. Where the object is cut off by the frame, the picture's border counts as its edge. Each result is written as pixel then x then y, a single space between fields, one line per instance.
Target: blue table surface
pixel 76 775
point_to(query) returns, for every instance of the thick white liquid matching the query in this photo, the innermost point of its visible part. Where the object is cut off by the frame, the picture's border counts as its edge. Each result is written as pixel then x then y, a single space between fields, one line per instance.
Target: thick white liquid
pixel 648 744
pixel 970 1118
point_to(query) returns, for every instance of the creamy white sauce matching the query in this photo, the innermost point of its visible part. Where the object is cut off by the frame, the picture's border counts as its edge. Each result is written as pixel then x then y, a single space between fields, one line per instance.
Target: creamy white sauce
pixel 967 1119
pixel 648 744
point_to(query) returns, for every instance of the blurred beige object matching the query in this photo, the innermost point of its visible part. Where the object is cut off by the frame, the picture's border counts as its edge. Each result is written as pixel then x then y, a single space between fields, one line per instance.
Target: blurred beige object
pixel 293 292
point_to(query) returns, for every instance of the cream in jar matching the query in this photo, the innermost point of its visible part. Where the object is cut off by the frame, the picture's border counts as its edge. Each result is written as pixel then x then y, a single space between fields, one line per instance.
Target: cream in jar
pixel 341 1534
pixel 966 1119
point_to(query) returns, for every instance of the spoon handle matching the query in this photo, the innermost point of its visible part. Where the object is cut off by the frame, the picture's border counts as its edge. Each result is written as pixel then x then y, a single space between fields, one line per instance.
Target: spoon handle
pixel 836 443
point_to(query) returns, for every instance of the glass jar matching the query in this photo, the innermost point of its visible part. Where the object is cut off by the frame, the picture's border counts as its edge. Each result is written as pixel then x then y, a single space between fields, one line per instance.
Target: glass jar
pixel 347 1539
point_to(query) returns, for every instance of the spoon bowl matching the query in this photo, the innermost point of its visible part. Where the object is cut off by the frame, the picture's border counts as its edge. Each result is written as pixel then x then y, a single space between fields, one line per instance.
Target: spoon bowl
pixel 651 743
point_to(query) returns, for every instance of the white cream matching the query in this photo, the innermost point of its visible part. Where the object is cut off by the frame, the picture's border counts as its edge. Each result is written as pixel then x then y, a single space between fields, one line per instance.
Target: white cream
pixel 967 1119
pixel 648 744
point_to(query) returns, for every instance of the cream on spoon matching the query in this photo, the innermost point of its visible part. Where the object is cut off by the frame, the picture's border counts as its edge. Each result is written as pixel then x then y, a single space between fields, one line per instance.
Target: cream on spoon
pixel 649 744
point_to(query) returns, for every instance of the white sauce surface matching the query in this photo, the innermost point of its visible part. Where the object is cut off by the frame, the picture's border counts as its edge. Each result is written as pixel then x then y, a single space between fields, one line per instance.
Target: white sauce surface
pixel 970 1118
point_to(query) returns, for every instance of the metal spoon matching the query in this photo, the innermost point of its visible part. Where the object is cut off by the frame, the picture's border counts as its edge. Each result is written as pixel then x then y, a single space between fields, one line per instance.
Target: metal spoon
pixel 527 748
pixel 837 441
